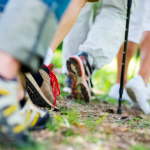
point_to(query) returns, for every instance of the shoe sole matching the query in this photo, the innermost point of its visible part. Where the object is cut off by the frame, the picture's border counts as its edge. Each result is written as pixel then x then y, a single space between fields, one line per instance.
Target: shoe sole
pixel 35 93
pixel 77 73
pixel 131 94
pixel 74 87
pixel 41 127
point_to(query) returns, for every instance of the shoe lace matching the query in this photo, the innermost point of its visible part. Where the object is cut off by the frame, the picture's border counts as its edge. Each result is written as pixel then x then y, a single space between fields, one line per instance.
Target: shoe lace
pixel 54 83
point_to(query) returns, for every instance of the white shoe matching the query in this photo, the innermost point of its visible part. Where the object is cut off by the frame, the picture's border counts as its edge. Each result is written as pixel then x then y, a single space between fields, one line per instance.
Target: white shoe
pixel 114 93
pixel 67 90
pixel 139 93
pixel 68 83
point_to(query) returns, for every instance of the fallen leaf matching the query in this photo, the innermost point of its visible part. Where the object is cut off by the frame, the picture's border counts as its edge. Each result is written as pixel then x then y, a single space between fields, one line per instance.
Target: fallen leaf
pixel 123 129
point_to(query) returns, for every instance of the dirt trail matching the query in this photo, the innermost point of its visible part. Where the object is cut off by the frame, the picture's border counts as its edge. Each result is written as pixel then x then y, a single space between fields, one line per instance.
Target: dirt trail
pixel 96 126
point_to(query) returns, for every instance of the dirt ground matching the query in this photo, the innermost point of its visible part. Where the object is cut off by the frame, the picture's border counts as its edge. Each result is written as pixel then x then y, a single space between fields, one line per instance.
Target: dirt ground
pixel 95 126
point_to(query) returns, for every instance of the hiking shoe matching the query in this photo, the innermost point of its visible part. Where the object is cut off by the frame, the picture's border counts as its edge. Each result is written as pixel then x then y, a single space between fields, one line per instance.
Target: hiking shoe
pixel 67 89
pixel 139 93
pixel 35 118
pixel 39 88
pixel 80 71
pixel 12 128
pixel 114 93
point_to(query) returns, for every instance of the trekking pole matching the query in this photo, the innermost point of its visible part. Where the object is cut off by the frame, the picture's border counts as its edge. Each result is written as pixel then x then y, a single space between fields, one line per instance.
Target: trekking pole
pixel 129 4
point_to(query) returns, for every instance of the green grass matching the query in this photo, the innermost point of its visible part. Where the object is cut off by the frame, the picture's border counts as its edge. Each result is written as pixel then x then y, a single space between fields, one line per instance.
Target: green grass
pixel 139 147
pixel 57 59
pixel 71 117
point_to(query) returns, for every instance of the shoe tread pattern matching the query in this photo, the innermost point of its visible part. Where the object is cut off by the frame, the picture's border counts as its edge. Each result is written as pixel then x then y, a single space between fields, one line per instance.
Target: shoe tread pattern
pixel 131 94
pixel 74 88
pixel 83 95
pixel 76 64
pixel 35 97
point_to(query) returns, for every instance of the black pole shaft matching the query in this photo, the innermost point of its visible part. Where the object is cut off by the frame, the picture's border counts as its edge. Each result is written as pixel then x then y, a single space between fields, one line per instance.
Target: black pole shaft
pixel 129 4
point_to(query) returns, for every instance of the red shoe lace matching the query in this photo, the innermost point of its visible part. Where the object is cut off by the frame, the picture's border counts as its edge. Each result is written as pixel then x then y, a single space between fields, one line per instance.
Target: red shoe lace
pixel 54 83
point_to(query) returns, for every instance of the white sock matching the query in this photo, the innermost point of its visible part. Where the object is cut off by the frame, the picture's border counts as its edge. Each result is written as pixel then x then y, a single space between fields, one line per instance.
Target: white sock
pixel 48 57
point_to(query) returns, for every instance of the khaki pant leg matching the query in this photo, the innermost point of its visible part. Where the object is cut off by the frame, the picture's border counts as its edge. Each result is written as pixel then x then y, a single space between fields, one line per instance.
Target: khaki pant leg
pixel 26 29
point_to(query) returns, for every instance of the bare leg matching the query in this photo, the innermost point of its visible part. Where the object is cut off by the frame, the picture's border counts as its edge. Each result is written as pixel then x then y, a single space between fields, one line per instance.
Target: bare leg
pixel 130 52
pixel 9 67
pixel 145 57
pixel 68 20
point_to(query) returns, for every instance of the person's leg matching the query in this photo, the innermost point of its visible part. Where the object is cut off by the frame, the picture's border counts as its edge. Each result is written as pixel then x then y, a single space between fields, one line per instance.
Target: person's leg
pixel 101 46
pixel 42 79
pixel 32 50
pixel 36 48
pixel 130 52
pixel 106 35
pixel 12 53
pixel 137 87
pixel 114 91
pixel 20 44
pixel 145 55
pixel 77 34
pixel 101 43
pixel 144 58
pixel 9 66
pixel 135 32
pixel 68 20
pixel 75 38
pixel 144 71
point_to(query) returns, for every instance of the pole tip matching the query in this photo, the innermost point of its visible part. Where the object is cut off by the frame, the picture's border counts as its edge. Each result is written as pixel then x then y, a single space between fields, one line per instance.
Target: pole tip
pixel 119 111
